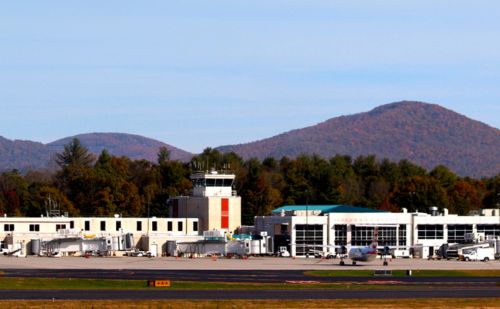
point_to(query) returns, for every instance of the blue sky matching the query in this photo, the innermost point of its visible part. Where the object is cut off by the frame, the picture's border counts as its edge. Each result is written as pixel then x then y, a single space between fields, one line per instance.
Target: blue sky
pixel 208 73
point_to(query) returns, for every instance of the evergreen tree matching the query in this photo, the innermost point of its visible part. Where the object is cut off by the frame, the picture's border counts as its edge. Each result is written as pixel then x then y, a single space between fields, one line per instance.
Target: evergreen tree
pixel 74 154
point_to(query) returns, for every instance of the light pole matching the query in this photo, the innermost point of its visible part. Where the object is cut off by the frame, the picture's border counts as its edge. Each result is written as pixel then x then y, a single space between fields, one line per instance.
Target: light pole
pixel 148 215
pixel 307 225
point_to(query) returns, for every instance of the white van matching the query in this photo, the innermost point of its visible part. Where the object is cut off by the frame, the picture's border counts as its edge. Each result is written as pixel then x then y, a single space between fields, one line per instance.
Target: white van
pixel 480 254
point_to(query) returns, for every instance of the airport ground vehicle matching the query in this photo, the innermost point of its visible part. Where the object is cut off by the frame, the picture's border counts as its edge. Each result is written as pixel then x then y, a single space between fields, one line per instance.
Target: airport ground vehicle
pixel 322 254
pixel 479 254
pixel 283 252
pixel 402 253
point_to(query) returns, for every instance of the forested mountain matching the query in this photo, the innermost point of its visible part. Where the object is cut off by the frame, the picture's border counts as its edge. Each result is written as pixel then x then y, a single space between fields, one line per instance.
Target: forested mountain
pixel 24 155
pixel 120 144
pixel 28 155
pixel 426 134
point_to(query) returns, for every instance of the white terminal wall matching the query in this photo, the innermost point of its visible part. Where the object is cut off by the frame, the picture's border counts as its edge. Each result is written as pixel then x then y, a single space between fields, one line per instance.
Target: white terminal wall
pixel 47 228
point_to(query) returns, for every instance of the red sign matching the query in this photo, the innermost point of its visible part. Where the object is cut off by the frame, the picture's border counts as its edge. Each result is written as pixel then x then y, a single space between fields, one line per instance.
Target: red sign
pixel 224 214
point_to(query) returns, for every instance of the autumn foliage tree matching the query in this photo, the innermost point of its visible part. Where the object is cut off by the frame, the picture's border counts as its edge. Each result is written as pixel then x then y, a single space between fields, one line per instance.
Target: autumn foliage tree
pixel 102 186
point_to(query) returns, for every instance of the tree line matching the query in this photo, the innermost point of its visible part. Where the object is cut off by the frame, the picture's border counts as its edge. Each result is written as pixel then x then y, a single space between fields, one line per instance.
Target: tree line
pixel 86 185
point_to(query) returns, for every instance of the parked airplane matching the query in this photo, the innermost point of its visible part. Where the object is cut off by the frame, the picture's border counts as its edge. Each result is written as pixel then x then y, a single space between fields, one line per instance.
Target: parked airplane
pixel 357 253
pixel 362 254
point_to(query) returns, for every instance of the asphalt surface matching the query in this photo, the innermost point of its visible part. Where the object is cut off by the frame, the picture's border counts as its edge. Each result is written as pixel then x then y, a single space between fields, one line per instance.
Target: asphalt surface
pixel 419 287
pixel 246 294
pixel 252 263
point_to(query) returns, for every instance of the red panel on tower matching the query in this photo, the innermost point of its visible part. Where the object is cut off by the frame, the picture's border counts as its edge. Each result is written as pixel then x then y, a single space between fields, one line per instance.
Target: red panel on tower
pixel 224 213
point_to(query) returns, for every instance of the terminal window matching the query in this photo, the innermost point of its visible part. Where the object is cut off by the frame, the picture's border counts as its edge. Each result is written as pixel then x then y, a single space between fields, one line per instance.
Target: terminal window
pixel 139 226
pixel 86 226
pixel 402 234
pixel 489 229
pixel 169 226
pixel 308 237
pixel 34 227
pixel 387 236
pixel 60 227
pixel 118 225
pixel 430 231
pixel 195 226
pixel 8 227
pixel 154 226
pixel 340 234
pixel 456 232
pixel 103 225
pixel 179 226
pixel 362 235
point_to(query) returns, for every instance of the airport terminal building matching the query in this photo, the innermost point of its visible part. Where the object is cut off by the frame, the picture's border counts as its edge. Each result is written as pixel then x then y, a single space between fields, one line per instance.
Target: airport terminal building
pixel 329 227
pixel 76 235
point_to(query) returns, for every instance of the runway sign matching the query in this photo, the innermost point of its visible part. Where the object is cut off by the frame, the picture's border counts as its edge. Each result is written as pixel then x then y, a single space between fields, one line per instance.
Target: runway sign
pixel 159 283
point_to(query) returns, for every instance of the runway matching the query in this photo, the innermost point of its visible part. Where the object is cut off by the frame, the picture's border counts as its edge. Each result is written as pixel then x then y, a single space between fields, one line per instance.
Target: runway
pixel 246 294
pixel 259 270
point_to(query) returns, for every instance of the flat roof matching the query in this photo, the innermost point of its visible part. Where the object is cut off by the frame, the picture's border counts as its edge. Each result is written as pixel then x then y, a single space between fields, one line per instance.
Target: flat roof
pixel 328 209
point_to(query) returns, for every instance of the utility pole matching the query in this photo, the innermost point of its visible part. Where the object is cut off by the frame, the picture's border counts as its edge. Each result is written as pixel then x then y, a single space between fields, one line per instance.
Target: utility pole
pixel 307 225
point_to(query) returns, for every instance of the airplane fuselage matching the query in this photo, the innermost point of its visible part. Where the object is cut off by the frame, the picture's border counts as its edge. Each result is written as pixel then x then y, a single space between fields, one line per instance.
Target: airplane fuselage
pixel 363 254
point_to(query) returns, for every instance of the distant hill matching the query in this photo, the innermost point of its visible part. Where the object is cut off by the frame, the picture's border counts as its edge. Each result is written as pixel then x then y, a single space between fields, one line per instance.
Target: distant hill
pixel 26 155
pixel 23 155
pixel 121 144
pixel 426 134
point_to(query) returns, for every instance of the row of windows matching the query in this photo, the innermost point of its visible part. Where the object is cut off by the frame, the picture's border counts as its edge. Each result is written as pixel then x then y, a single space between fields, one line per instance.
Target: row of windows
pixel 385 236
pixel 32 227
pixel 154 226
pixel 456 233
pixel 430 231
pixel 363 236
pixel 202 182
pixel 489 229
pixel 139 228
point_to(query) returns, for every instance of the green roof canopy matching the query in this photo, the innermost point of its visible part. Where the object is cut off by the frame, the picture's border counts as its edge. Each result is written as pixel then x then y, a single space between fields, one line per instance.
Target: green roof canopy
pixel 328 209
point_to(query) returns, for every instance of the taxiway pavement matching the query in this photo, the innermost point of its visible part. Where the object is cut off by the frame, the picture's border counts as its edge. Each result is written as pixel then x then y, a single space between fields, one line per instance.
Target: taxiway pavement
pixel 246 294
pixel 252 263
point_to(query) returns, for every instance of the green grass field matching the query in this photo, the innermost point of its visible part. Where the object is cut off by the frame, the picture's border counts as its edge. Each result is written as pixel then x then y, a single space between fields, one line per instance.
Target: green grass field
pixel 82 284
pixel 92 284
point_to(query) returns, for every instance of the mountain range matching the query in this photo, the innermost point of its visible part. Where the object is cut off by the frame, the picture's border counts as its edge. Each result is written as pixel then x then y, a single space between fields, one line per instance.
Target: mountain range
pixel 28 155
pixel 426 134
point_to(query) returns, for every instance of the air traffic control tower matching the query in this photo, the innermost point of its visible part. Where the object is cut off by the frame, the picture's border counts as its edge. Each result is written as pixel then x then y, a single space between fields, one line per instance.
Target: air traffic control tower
pixel 213 201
